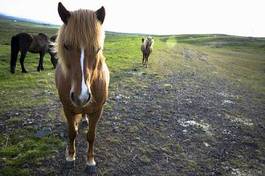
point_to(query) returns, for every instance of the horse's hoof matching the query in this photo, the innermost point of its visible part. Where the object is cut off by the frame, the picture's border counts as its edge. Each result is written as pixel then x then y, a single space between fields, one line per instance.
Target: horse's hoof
pixel 90 171
pixel 69 164
pixel 12 71
pixel 68 168
pixel 24 71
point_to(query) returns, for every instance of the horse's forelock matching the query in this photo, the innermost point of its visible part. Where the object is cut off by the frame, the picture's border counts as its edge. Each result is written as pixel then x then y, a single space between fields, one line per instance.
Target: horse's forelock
pixel 83 30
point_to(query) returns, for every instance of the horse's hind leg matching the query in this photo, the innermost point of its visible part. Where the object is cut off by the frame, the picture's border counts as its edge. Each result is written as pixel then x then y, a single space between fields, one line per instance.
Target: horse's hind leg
pixel 40 66
pixel 22 58
pixel 14 54
pixel 13 61
pixel 143 59
pixel 91 164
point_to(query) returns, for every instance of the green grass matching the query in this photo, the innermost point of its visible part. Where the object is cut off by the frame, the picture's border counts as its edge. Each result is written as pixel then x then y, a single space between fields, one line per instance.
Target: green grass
pixel 24 90
pixel 237 59
pixel 20 148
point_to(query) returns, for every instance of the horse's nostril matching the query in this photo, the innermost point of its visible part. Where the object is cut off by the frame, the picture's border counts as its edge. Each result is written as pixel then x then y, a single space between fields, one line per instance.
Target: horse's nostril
pixel 80 100
pixel 88 98
pixel 72 96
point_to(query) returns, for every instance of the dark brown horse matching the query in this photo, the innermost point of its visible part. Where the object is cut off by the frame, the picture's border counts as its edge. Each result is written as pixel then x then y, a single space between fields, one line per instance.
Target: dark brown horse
pixel 82 76
pixel 146 48
pixel 24 42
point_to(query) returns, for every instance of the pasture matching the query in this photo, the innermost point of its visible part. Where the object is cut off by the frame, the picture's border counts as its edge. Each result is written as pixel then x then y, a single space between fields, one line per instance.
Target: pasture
pixel 198 109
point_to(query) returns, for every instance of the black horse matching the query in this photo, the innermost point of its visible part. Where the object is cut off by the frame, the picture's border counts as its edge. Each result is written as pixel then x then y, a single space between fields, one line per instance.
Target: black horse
pixel 24 42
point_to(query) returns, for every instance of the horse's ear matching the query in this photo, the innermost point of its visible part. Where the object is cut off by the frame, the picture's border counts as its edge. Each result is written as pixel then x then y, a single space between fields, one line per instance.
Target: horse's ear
pixel 63 12
pixel 100 13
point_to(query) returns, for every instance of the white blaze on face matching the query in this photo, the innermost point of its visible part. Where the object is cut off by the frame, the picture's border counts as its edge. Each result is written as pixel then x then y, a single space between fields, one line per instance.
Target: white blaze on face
pixel 84 90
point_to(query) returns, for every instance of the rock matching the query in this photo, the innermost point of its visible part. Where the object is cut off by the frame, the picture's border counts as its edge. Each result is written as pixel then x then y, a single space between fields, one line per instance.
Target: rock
pixel 115 129
pixel 227 102
pixel 184 131
pixel 206 144
pixel 43 132
pixel 62 134
pixel 116 118
pixel 118 97
pixel 167 86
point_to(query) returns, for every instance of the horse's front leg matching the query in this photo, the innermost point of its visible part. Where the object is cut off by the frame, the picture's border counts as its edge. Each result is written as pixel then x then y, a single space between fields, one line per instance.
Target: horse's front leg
pixel 73 122
pixel 54 59
pixel 40 66
pixel 91 164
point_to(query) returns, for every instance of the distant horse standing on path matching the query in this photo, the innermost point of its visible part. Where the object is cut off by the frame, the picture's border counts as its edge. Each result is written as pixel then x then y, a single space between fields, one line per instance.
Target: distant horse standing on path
pixel 146 48
pixel 24 42
pixel 82 76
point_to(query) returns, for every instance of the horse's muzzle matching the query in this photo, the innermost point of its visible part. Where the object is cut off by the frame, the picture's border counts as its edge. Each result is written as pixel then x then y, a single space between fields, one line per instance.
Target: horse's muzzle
pixel 79 101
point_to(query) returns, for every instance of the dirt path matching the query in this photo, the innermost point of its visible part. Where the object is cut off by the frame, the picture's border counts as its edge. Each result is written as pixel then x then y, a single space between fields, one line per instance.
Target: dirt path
pixel 181 123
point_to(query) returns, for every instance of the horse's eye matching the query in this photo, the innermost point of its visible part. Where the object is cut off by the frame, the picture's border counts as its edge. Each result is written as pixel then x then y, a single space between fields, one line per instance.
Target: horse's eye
pixel 67 47
pixel 98 50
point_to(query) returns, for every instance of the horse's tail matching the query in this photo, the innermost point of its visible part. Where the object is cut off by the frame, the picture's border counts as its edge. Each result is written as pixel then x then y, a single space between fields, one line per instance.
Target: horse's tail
pixel 14 53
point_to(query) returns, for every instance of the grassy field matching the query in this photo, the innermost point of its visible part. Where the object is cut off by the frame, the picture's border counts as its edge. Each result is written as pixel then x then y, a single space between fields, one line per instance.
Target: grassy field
pixel 29 102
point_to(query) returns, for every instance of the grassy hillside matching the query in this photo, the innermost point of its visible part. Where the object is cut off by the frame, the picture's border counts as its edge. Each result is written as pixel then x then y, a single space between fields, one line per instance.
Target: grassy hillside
pixel 29 102
pixel 239 59
pixel 8 28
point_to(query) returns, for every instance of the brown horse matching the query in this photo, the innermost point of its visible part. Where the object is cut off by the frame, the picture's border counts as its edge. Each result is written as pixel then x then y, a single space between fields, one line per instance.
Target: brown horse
pixel 82 76
pixel 24 42
pixel 146 48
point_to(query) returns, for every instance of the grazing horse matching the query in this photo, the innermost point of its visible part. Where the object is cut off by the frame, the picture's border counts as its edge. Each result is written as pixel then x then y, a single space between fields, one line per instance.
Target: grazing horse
pixel 146 48
pixel 82 76
pixel 52 50
pixel 24 42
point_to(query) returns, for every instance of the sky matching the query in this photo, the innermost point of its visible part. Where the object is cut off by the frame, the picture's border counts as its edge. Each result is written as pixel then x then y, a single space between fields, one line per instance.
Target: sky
pixel 235 17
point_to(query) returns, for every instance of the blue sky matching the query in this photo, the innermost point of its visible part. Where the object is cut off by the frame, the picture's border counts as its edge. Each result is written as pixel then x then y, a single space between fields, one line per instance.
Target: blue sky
pixel 236 17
